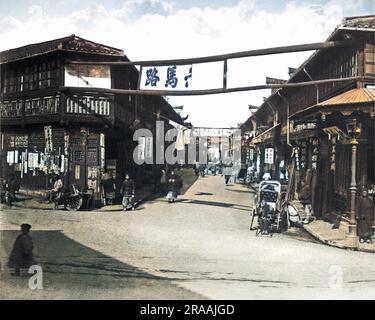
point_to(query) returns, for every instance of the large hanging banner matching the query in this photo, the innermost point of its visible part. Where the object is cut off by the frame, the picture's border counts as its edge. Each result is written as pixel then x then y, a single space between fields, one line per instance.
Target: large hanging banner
pixel 166 77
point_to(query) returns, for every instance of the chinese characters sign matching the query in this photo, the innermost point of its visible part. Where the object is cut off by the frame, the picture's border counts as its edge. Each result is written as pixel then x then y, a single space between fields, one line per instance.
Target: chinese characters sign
pixel 175 77
pixel 268 157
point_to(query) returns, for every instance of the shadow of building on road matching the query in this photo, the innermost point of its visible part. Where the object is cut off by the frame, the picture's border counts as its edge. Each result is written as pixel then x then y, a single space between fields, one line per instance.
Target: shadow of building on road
pixel 74 271
pixel 215 204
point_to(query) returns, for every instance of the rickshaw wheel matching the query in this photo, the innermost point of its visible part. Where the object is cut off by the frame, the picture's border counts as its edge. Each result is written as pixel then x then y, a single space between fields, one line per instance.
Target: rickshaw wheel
pixel 74 204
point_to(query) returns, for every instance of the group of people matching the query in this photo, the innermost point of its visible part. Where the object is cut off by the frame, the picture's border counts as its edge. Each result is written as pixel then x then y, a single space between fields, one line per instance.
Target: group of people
pixel 170 184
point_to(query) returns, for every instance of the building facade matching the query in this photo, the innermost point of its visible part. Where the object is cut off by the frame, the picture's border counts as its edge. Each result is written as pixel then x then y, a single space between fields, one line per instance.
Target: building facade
pixel 323 134
pixel 48 126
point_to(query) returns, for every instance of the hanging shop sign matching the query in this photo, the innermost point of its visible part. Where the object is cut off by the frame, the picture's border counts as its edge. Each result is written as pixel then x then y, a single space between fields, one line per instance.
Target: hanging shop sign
pixel 333 154
pixel 269 155
pixel 77 172
pixel 175 77
pixel 18 141
pixel 92 178
pixel 48 138
pixel 315 153
pixel 297 158
pixel 303 154
pixel 102 150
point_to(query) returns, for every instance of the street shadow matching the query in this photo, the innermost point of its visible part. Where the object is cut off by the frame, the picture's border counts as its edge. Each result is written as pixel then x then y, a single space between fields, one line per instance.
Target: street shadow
pixel 76 269
pixel 215 204
pixel 204 194
pixel 241 191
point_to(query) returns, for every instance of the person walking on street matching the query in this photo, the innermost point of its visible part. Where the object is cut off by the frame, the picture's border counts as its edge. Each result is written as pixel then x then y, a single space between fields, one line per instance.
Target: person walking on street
pixel 21 256
pixel 227 171
pixel 174 186
pixel 202 170
pixel 127 191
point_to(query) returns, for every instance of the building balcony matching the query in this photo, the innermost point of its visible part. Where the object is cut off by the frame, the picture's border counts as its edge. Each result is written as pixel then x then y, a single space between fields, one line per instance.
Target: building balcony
pixel 57 108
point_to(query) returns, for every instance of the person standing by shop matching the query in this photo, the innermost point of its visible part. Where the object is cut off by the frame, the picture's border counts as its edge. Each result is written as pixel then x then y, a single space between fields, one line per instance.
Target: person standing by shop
pixel 305 197
pixel 10 189
pixel 365 216
pixel 127 192
pixel 227 173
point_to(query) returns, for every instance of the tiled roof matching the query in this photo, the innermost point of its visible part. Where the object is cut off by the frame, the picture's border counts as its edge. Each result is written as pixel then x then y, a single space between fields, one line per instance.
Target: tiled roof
pixel 360 95
pixel 71 43
pixel 364 22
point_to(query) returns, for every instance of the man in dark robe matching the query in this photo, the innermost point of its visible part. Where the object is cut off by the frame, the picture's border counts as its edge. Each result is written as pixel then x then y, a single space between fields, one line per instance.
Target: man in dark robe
pixel 365 212
pixel 21 256
pixel 174 186
pixel 127 191
pixel 305 197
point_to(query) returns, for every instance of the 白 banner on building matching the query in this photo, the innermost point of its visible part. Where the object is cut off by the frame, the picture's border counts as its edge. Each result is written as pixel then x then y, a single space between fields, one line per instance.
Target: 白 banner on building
pixel 175 77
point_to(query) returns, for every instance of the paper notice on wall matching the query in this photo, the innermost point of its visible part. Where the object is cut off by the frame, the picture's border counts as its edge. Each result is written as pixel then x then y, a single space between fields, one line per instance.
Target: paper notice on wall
pixel 33 160
pixel 62 167
pixel 102 140
pixel 23 154
pixel 10 157
pixel 16 155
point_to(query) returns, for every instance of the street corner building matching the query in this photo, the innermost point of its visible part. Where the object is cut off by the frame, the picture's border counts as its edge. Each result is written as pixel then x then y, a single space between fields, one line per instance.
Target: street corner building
pixel 322 135
pixel 58 117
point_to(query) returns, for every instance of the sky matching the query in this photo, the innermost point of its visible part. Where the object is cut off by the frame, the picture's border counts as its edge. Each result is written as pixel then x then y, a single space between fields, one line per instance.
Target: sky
pixel 171 29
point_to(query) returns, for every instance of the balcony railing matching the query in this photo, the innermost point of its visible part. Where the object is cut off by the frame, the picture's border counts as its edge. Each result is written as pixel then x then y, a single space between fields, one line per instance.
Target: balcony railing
pixel 89 105
pixel 71 108
pixel 29 107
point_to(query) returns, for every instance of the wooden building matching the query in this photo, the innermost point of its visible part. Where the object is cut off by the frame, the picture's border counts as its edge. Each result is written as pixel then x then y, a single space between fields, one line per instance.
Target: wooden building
pixel 48 126
pixel 325 132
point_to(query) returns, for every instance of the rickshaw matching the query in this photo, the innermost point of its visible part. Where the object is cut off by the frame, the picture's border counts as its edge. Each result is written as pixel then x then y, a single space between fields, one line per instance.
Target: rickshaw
pixel 71 199
pixel 271 209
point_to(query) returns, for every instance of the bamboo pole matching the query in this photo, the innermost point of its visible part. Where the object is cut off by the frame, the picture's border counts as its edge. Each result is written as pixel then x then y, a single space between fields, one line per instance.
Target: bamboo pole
pixel 222 57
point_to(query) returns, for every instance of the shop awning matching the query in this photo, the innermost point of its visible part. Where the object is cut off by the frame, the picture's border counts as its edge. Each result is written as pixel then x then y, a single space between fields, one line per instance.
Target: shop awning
pixel 266 136
pixel 359 99
pixel 354 96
